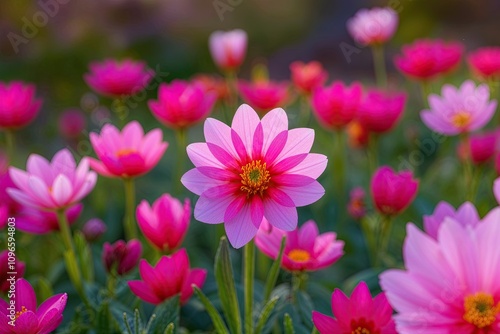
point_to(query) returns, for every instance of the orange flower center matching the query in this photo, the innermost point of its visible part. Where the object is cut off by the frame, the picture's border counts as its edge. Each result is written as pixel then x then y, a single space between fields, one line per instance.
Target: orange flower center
pixel 254 178
pixel 461 119
pixel 363 326
pixel 480 309
pixel 124 152
pixel 18 314
pixel 361 330
pixel 299 255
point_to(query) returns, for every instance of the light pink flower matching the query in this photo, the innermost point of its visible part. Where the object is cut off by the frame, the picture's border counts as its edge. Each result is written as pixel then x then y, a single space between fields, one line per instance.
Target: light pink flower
pixel 128 153
pixel 36 221
pixel 373 26
pixel 305 248
pixel 466 215
pixel 380 111
pixel 121 256
pixel 485 61
pixel 228 49
pixel 181 104
pixel 172 275
pixel 27 317
pixel 8 207
pixel 308 76
pixel 115 78
pixel 165 223
pixel 496 190
pixel 264 95
pixel 72 123
pixel 450 285
pixel 18 105
pixel 52 185
pixel 456 111
pixel 253 169
pixel 359 314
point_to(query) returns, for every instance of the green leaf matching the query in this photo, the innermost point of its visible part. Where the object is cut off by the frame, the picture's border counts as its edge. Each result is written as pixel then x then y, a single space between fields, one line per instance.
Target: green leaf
pixel 170 329
pixel 275 270
pixel 84 256
pixel 288 323
pixel 219 325
pixel 226 287
pixel 165 314
pixel 265 314
pixel 103 320
pixel 43 289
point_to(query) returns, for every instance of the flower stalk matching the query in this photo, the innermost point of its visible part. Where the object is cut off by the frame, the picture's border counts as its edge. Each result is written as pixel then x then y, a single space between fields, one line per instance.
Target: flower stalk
pixel 379 64
pixel 129 220
pixel 248 283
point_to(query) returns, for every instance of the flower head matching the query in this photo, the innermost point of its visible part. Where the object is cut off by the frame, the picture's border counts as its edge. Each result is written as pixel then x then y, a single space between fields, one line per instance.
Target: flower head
pixel 357 205
pixel 18 105
pixel 228 49
pixel 305 248
pixel 213 84
pixel 72 123
pixel 361 314
pixel 26 316
pixel 121 256
pixel 373 26
pixel 34 221
pixel 358 135
pixel 253 169
pixel 118 78
pixel 93 229
pixel 308 76
pixel 393 192
pixel 8 207
pixel 181 104
pixel 264 95
pixel 450 284
pixel 380 111
pixel 485 62
pixel 480 148
pixel 165 223
pixel 5 269
pixel 466 215
pixel 461 110
pixel 172 275
pixel 52 185
pixel 128 153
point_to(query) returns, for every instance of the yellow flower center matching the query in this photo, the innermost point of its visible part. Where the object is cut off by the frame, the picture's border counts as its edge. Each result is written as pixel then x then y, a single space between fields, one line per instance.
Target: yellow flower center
pixel 124 152
pixel 361 330
pixel 299 255
pixel 480 310
pixel 18 313
pixel 461 119
pixel 254 178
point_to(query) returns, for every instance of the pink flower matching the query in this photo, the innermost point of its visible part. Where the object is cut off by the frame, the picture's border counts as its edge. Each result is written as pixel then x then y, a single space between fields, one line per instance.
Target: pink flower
pixel 480 148
pixel 26 318
pixel 426 59
pixel 165 224
pixel 450 285
pixel 213 84
pixel 373 26
pixel 485 61
pixel 466 215
pixel 360 314
pixel 72 123
pixel 18 105
pixel 181 104
pixel 5 263
pixel 121 256
pixel 380 111
pixel 461 110
pixel 308 76
pixel 52 185
pixel 128 153
pixel 171 275
pixel 357 205
pixel 337 105
pixel 115 78
pixel 264 95
pixel 305 248
pixel 8 207
pixel 393 192
pixel 228 49
pixel 36 221
pixel 93 229
pixel 253 169
pixel 496 190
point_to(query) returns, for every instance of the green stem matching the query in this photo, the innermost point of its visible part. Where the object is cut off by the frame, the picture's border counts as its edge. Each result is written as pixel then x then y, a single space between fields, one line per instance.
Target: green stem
pixel 384 237
pixel 120 109
pixel 231 82
pixel 181 158
pixel 9 141
pixel 111 283
pixel 129 220
pixel 339 172
pixel 373 153
pixel 371 243
pixel 425 87
pixel 379 64
pixel 305 111
pixel 299 280
pixel 248 281
pixel 468 170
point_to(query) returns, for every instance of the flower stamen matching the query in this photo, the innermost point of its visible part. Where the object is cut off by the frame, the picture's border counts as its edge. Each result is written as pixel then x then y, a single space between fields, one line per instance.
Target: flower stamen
pixel 254 178
pixel 299 255
pixel 480 310
pixel 124 152
pixel 18 313
pixel 461 119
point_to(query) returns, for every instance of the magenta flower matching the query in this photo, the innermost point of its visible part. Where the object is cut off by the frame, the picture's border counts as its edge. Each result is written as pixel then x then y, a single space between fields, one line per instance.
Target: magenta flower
pixel 34 221
pixel 359 314
pixel 18 105
pixel 264 95
pixel 181 104
pixel 450 284
pixel 93 229
pixel 461 110
pixel 380 111
pixel 373 26
pixel 357 206
pixel 308 76
pixel 8 207
pixel 228 49
pixel 213 85
pixel 466 215
pixel 52 185
pixel 425 59
pixel 128 153
pixel 25 317
pixel 480 148
pixel 72 123
pixel 253 169
pixel 121 256
pixel 305 248
pixel 165 224
pixel 172 275
pixel 393 192
pixel 485 62
pixel 337 105
pixel 118 78
pixel 6 267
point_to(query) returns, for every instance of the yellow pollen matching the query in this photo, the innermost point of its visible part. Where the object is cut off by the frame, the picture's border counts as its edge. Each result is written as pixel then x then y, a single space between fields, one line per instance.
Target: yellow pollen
pixel 480 310
pixel 18 314
pixel 461 119
pixel 124 152
pixel 299 255
pixel 361 330
pixel 254 178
